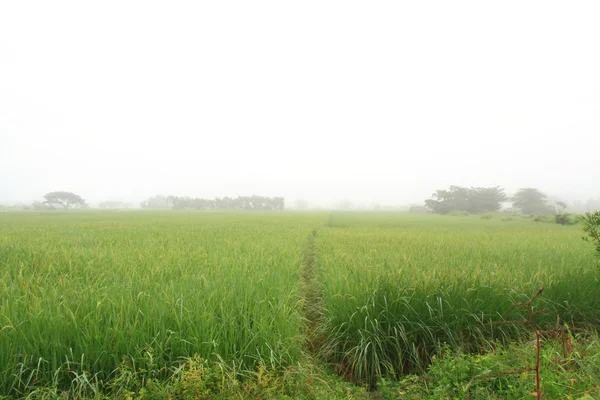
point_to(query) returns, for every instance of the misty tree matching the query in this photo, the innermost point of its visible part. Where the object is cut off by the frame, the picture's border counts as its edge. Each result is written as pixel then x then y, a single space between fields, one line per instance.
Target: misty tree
pixel 64 199
pixel 157 202
pixel 472 200
pixel 445 201
pixel 531 201
pixel 486 199
pixel 253 202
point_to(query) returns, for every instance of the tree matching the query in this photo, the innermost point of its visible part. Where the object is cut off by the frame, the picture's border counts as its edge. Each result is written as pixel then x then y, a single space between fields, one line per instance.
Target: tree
pixel 484 200
pixel 531 201
pixel 64 199
pixel 446 201
pixel 472 200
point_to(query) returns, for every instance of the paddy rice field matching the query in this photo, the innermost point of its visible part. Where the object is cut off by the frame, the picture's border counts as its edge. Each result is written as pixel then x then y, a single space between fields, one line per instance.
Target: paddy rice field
pixel 84 293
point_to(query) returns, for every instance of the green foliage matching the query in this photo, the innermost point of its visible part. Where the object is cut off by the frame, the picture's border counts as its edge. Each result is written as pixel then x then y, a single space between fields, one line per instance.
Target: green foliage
pixel 470 200
pixel 455 374
pixel 591 226
pixel 418 209
pixel 163 305
pixel 486 216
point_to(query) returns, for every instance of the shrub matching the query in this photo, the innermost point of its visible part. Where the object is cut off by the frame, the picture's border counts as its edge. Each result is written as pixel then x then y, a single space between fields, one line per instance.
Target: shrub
pixel 591 226
pixel 486 216
pixel 564 218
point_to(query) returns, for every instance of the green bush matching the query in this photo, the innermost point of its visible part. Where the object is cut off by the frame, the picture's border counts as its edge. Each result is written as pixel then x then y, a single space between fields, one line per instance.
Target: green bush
pixel 486 216
pixel 564 218
pixel 591 226
pixel 495 375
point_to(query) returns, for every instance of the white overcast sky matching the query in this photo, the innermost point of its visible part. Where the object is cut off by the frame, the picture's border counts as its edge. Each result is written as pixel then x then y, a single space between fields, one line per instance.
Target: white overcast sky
pixel 371 101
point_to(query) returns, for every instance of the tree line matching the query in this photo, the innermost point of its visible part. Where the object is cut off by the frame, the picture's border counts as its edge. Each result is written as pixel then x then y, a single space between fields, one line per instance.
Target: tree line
pixel 472 200
pixel 477 200
pixel 66 200
pixel 253 202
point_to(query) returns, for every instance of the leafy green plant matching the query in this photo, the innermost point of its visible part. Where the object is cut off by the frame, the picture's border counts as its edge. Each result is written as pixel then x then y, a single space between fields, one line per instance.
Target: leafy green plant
pixel 591 226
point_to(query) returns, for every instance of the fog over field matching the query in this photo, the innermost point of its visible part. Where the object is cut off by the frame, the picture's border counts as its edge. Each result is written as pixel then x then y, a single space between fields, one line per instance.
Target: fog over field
pixel 371 102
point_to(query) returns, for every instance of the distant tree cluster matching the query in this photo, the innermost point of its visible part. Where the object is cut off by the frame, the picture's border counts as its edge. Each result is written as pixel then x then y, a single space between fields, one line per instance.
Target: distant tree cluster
pixel 472 200
pixel 484 200
pixel 226 203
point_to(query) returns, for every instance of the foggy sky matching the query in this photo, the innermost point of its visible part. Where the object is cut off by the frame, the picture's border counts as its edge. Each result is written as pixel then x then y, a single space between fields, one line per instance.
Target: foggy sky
pixel 322 100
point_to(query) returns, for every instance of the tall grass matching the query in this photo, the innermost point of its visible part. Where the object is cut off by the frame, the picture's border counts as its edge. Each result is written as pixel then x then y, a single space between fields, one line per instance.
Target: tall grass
pixel 81 293
pixel 398 286
pixel 85 296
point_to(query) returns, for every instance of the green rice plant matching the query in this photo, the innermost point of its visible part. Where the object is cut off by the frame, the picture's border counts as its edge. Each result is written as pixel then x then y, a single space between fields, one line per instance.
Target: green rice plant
pixel 86 292
pixel 399 286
